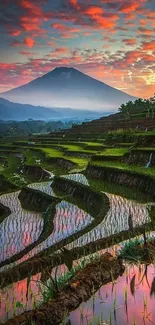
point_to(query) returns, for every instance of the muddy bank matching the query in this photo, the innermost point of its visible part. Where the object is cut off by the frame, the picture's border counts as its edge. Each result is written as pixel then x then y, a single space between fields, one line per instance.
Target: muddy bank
pixel 141 182
pixel 62 163
pixel 143 252
pixel 78 154
pixel 48 216
pixel 140 157
pixel 35 200
pixel 36 172
pixel 96 148
pixel 4 212
pixel 106 158
pixel 119 190
pixel 86 198
pixel 5 185
pixel 79 289
pixel 146 140
pixel 44 259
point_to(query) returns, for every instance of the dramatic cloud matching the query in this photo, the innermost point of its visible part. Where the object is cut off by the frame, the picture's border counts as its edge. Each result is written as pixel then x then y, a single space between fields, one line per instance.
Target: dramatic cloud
pixel 149 46
pixel 109 40
pixel 29 42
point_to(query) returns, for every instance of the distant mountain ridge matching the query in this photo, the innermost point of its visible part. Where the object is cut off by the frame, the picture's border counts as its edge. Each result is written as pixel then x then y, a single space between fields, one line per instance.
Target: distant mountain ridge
pixel 68 88
pixel 21 112
pixel 15 111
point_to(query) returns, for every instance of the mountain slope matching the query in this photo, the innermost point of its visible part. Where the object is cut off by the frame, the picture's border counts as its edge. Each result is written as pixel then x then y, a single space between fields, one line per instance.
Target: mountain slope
pixel 18 112
pixel 21 112
pixel 68 87
pixel 113 122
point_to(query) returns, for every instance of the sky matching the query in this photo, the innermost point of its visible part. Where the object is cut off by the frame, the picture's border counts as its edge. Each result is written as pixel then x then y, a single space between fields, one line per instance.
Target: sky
pixel 113 41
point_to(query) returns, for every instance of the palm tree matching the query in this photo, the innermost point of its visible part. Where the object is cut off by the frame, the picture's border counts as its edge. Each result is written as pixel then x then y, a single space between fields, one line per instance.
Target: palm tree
pixel 122 108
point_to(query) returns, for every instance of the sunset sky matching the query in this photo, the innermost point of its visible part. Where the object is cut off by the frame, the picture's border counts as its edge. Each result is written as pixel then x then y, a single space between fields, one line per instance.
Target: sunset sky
pixel 113 41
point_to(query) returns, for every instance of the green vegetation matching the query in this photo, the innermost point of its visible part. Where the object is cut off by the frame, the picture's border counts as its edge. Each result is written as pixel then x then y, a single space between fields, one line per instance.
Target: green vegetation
pixel 82 223
pixel 124 191
pixel 130 251
pixel 57 282
pixel 42 151
pixel 115 152
pixel 139 108
pixel 26 128
pixel 138 251
pixel 120 165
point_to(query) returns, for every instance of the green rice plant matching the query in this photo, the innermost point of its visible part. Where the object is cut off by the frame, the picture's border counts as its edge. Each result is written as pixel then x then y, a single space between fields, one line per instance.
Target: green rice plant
pixel 129 251
pixel 124 166
pixel 110 319
pixel 125 295
pixel 56 284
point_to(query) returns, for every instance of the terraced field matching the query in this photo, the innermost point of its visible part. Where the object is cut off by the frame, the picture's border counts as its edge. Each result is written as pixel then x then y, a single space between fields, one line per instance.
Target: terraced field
pixel 66 204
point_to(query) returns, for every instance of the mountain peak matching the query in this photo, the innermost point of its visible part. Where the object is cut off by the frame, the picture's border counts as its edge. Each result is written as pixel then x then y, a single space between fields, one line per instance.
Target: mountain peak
pixel 64 69
pixel 60 70
pixel 68 87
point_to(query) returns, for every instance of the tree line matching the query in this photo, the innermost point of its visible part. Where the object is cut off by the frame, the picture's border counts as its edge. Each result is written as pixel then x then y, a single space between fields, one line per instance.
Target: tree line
pixel 144 107
pixel 26 128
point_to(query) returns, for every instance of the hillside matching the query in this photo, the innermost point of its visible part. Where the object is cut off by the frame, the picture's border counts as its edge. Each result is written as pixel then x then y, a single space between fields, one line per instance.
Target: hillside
pixel 113 122
pixel 69 88
pixel 15 111
pixel 21 112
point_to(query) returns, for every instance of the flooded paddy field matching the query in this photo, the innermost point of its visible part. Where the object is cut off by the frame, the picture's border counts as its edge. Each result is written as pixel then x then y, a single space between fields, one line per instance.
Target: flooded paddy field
pixel 61 222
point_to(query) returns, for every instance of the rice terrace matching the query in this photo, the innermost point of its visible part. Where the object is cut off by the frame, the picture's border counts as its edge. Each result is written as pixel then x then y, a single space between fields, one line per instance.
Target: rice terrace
pixel 77 162
pixel 77 224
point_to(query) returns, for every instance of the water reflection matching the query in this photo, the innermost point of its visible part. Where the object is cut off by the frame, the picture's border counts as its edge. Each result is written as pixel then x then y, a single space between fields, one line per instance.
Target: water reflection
pixel 121 215
pixel 44 187
pixel 20 229
pixel 116 304
pixel 68 220
pixel 13 299
pixel 80 178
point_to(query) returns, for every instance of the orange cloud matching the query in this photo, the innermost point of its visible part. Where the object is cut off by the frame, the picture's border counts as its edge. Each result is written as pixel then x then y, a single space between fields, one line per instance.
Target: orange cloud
pixel 30 24
pixel 26 53
pixel 62 50
pixel 33 15
pixel 29 42
pixel 32 7
pixel 66 31
pixel 74 3
pixel 149 46
pixel 94 11
pixel 15 33
pixel 129 41
pixel 102 19
pixel 129 7
pixel 59 27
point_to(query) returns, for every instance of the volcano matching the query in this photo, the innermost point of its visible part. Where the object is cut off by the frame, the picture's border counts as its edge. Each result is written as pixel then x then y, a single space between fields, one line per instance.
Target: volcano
pixel 68 88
